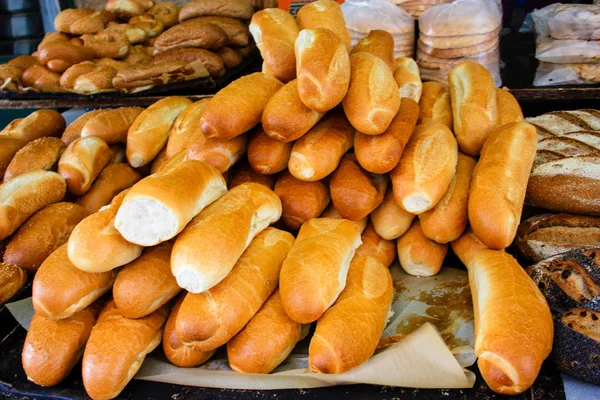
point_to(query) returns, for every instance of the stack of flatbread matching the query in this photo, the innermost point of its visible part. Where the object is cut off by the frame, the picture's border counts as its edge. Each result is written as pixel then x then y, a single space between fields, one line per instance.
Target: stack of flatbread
pixel 417 7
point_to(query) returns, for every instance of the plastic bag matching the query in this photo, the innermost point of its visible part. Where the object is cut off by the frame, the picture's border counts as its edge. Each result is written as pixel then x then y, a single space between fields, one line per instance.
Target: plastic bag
pixel 575 21
pixel 416 8
pixel 549 74
pixel 540 20
pixel 463 17
pixel 567 51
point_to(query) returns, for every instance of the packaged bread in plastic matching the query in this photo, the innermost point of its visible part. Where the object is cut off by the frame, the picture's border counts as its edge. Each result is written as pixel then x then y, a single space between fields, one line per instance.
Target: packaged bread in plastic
pixel 549 74
pixel 567 51
pixel 575 21
pixel 415 8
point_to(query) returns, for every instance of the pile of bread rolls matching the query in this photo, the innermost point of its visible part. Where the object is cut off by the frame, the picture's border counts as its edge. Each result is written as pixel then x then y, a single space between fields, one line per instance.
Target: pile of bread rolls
pixel 395 150
pixel 134 45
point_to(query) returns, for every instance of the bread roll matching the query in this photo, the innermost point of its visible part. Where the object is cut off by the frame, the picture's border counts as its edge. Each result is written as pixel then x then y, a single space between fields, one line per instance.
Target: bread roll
pixel 448 219
pixel 419 255
pixel 332 212
pixel 373 245
pixel 158 207
pixel 267 155
pixel 509 109
pixel 166 13
pixel 112 180
pixel 513 323
pixel 389 220
pixel 113 354
pixel 53 347
pixel 474 105
pixel 354 191
pixel 381 153
pixel 276 119
pixel 44 232
pixel 55 296
pixel 314 272
pixel 229 57
pixel 73 131
pixel 238 107
pixel 222 8
pixel 38 155
pixel 373 98
pixel 426 168
pixel 38 124
pixel 12 279
pixel 435 104
pixel 117 154
pixel 221 154
pixel 8 148
pixel 185 127
pixel 213 62
pixel 204 35
pixel 24 195
pixel 467 245
pixel 150 131
pixel 325 14
pixel 300 200
pixel 82 162
pixel 379 43
pixel 319 152
pixel 499 183
pixel 236 30
pixel 208 248
pixel 244 173
pixel 407 78
pixel 112 125
pixel 211 318
pixel 248 351
pixel 181 354
pixel 322 67
pixel 40 77
pixel 275 31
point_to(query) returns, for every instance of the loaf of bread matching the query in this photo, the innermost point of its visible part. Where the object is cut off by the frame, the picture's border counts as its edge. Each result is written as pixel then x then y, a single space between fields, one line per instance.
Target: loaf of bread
pixel 379 43
pixel 389 220
pixel 509 109
pixel 165 12
pixel 236 30
pixel 134 78
pixel 435 104
pixel 373 99
pixel 314 273
pixel 322 67
pixel 204 35
pixel 38 155
pixel 185 127
pixel 558 123
pixel 332 212
pixel 82 162
pixel 319 152
pixel 230 57
pixel 12 279
pixel 60 56
pixel 81 21
pixel 300 200
pixel 267 155
pixel 426 168
pixel 38 124
pixel 8 148
pixel 213 62
pixel 419 255
pixel 373 245
pixel 238 107
pixel 379 154
pixel 474 106
pixel 112 125
pixel 73 131
pixel 467 245
pixel 40 77
pixel 158 207
pixel 499 183
pixel 222 8
pixel 325 14
pixel 221 154
pixel 406 75
pixel 53 293
pixel 53 347
pixel 244 173
pixel 208 248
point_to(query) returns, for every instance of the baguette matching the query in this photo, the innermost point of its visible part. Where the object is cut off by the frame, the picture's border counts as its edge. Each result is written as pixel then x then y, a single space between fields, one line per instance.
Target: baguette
pixel 193 33
pixel 208 248
pixel 419 255
pixel 380 44
pixel 73 131
pixel 8 148
pixel 408 79
pixel 157 208
pixel 325 14
pixel 222 8
pixel 389 220
pixel 221 154
pixel 426 168
pixel 82 162
pixel 44 232
pixel 319 152
pixel 38 124
pixel 435 104
pixel 185 127
pixel 373 98
pixel 150 131
pixel 510 352
pixel 12 279
pixel 244 173
pixel 112 125
pixel 113 354
pixel 300 200
pixel 448 219
pixel 238 107
pixel 332 212
pixel 53 293
pixel 474 105
pixel 117 154
pixel 323 69
pixel 95 245
pixel 467 245
pixel 499 183
pixel 374 246
pixel 267 155
pixel 210 319
pixel 38 155
pixel 381 153
pixel 53 347
pixel 509 109
pixel 314 273
pixel 24 195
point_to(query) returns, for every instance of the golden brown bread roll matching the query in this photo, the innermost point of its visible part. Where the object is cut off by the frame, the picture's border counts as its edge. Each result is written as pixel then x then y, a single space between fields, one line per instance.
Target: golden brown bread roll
pixel 499 183
pixel 325 14
pixel 332 212
pixel 73 131
pixel 221 154
pixel 213 62
pixel 151 26
pixel 509 109
pixel 435 104
pixel 12 279
pixel 448 219
pixel 82 162
pixel 276 119
pixel 53 347
pixel 381 153
pixel 38 124
pixel 407 78
pixel 23 62
pixel 426 168
pixel 40 77
pixel 238 107
pixel 373 98
pixel 236 31
pixel 354 191
pixel 125 9
pixel 419 255
pixel 222 8
pixel 59 56
pixel 376 247
pixel 389 220
pixel 192 33
pixel 133 78
pixel 379 43
pixel 300 200
pixel 467 245
pixel 10 146
pixel 322 68
pixel 267 155
pixel 88 77
pixel 81 21
pixel 244 173
pixel 133 35
pixel 38 155
pixel 229 57
pixel 185 127
pixel 111 125
pixel 166 13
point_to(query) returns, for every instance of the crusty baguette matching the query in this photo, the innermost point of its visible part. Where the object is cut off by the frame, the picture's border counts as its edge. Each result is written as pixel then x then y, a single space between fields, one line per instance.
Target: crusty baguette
pixel 238 107
pixel 389 220
pixel 325 14
pixel 332 212
pixel 82 162
pixel 406 75
pixel 21 197
pixel 467 245
pixel 300 200
pixel 509 109
pixel 149 132
pixel 435 104
pixel 244 173
pixel 8 148
pixel 44 232
pixel 379 43
pixel 381 153
pixel 185 127
pixel 112 125
pixel 208 248
pixel 373 245
pixel 211 318
pixel 53 347
pixel 12 279
pixel 221 154
pixel 267 155
pixel 499 183
pixel 53 293
pixel 314 273
pixel 319 152
pixel 419 255
pixel 426 168
pixel 40 123
pixel 116 350
pixel 39 154
pixel 513 323
pixel 158 207
pixel 73 131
